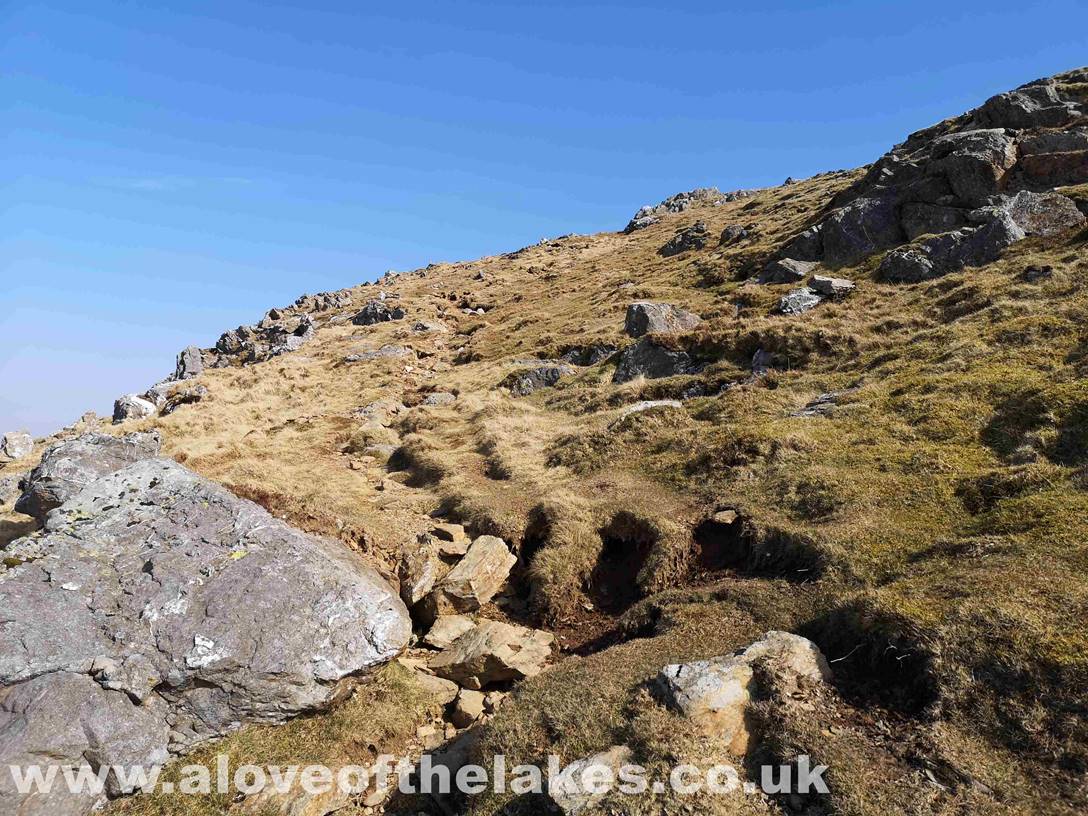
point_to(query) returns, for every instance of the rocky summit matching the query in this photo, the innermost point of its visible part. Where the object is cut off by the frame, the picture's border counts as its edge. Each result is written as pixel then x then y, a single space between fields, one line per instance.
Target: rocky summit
pixel 763 478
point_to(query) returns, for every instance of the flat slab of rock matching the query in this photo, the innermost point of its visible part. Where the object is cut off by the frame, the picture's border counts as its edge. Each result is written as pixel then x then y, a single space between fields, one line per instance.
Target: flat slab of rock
pixel 16 445
pixel 68 467
pixel 785 270
pixel 715 693
pixel 158 610
pixel 644 317
pixel 494 652
pixel 447 629
pixel 830 287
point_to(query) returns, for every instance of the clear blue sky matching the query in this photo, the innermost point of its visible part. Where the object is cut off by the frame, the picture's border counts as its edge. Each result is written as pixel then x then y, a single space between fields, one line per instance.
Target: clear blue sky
pixel 173 169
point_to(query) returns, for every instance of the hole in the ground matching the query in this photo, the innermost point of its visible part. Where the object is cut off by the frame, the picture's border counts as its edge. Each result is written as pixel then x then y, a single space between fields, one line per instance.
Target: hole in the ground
pixel 720 543
pixel 627 541
pixel 875 659
pixel 537 531
pixel 729 541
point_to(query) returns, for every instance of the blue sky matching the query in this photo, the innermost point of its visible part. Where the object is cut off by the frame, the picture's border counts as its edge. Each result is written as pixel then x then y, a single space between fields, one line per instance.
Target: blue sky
pixel 174 169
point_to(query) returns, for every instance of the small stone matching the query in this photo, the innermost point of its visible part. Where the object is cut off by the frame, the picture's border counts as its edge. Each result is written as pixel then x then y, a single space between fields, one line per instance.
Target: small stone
pixel 468 708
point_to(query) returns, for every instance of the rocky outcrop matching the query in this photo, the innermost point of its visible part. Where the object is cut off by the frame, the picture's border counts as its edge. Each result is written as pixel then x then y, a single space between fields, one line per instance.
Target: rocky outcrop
pixel 270 338
pixel 715 693
pixel 650 214
pixel 967 178
pixel 157 610
pixel 130 406
pixel 647 358
pixel 523 383
pixel 686 239
pixel 377 311
pixel 68 467
pixel 644 317
pixel 16 445
pixel 190 363
pixel 494 652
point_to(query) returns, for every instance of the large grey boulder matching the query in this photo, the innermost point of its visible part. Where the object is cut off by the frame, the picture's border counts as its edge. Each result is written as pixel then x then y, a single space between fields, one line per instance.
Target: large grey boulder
pixel 66 719
pixel 16 445
pixel 68 467
pixel 158 610
pixel 648 359
pixel 130 406
pixel 190 363
pixel 859 229
pixel 644 317
pixel 9 488
pixel 831 287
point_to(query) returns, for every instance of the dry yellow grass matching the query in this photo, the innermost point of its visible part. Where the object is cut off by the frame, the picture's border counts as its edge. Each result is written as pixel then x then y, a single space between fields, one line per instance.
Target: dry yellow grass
pixel 938 513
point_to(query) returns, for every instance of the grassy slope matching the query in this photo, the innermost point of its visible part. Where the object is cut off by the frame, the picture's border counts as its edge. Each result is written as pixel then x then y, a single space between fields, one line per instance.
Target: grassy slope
pixel 943 502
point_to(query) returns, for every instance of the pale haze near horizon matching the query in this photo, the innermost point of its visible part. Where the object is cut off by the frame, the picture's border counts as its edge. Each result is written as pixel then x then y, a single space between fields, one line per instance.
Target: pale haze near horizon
pixel 171 173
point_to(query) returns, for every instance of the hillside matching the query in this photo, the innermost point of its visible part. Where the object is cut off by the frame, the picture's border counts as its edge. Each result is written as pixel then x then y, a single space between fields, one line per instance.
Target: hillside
pixel 890 459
